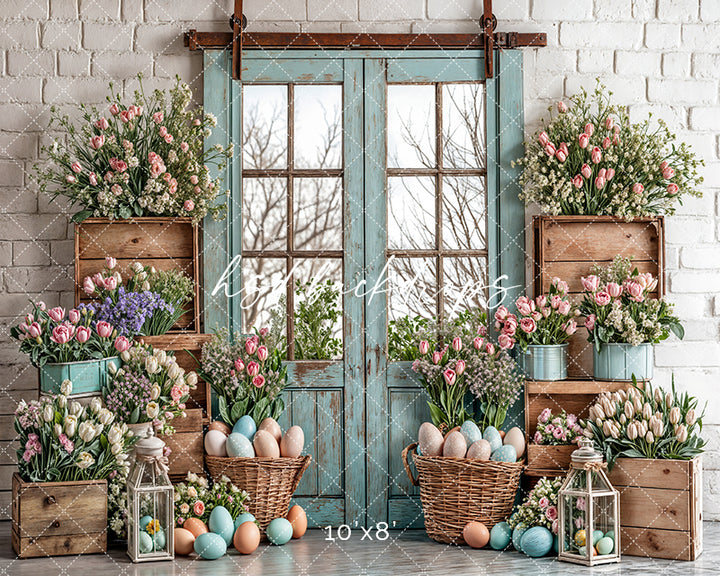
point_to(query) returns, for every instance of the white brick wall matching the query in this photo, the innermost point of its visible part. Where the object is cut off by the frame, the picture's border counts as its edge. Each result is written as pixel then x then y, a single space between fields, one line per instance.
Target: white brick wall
pixel 660 56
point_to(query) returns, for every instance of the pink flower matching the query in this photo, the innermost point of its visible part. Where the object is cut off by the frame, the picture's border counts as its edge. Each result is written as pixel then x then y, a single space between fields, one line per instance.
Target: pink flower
pixel 253 368
pixel 545 415
pixel 436 357
pixel 74 316
pixel 168 138
pixel 104 329
pixel 449 376
pixel 528 325
pixel 635 291
pixel 199 508
pixel 176 393
pixel 580 503
pixel 564 308
pixel 561 156
pixel 537 438
pixel 596 155
pixel 83 334
pixel 606 143
pixel 668 173
pixel 609 122
pixel 194 179
pixel 505 342
pixel 541 301
pixel 550 149
pixel 525 306
pixel 614 289
pixel 543 138
pixel 126 116
pixel 583 140
pixel 578 181
pixel 457 344
pixel 586 171
pixel 34 330
pixel 555 525
pixel 551 513
pixel 173 189
pixel 118 165
pixel 609 174
pixel 110 283
pixel 116 189
pixel 75 167
pixel 616 139
pixel 114 109
pixel 189 205
pixel 490 348
pixel 158 117
pixel 27 455
pixel 264 332
pixel 590 283
pixel 460 367
pixel 544 502
pixel 250 346
pixel 110 262
pixel 638 188
pixel 477 343
pixel 602 298
pixel 262 353
pixel 136 110
pixel 163 131
pixel 589 129
pixel 599 183
pixel 590 322
pixel 62 334
pixel 424 347
pixel 70 179
pixel 121 344
pixel 501 313
pixel 102 123
pixel 97 142
pixel 184 146
pixel 562 107
pixel 570 327
pixel 546 312
pixel 93 179
pixel 555 302
pixel 239 366
pixel 57 313
pixel 259 381
pixel 98 279
pixel 510 325
pixel 663 165
pixel 564 147
pixel 673 189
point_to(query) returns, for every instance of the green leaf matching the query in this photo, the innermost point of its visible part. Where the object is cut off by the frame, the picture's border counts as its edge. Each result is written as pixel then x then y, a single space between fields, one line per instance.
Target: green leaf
pixel 81 216
pixel 135 415
pixel 677 329
pixel 125 212
pixel 437 415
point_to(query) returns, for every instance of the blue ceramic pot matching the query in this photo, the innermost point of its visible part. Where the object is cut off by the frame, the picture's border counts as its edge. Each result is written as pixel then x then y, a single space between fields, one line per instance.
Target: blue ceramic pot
pixel 622 361
pixel 544 362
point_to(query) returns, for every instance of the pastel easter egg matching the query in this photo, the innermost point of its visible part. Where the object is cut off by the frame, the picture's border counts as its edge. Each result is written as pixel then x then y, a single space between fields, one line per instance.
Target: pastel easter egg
pixel 245 517
pixel 195 526
pixel 476 534
pixel 145 542
pixel 537 542
pixel 580 538
pixel 517 535
pixel 271 425
pixel 456 429
pixel 605 545
pixel 291 445
pixel 238 446
pixel 210 546
pixel 247 538
pixel 144 521
pixel 597 535
pixel 500 536
pixel 215 443
pixel 430 440
pixel 220 427
pixel 298 519
pixel 184 541
pixel 493 436
pixel 265 445
pixel 504 454
pixel 159 540
pixel 245 426
pixel 279 531
pixel 221 523
pixel 479 450
pixel 455 445
pixel 516 439
pixel 610 534
pixel 471 432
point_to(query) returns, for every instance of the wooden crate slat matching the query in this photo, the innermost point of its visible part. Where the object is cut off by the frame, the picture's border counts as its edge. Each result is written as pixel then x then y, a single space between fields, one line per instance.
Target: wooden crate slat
pixel 187 453
pixel 644 507
pixel 669 474
pixel 572 272
pixel 655 543
pixel 66 545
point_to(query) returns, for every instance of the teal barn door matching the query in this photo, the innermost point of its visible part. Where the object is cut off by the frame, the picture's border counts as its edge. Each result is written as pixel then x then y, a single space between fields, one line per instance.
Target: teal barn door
pixel 386 174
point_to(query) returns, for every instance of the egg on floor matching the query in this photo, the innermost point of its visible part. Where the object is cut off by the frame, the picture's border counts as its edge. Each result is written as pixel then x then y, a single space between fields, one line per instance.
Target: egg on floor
pixel 195 526
pixel 184 541
pixel 221 523
pixel 244 517
pixel 292 444
pixel 516 439
pixel 298 519
pixel 210 546
pixel 430 440
pixel 247 538
pixel 265 445
pixel 455 445
pixel 279 531
pixel 476 534
pixel 271 425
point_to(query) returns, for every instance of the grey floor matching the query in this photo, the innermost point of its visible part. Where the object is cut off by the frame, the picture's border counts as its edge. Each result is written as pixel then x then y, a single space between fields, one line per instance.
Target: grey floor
pixel 403 553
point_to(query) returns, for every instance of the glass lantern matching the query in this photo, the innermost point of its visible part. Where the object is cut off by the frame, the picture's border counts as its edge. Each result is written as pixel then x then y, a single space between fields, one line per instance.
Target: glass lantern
pixel 150 499
pixel 589 511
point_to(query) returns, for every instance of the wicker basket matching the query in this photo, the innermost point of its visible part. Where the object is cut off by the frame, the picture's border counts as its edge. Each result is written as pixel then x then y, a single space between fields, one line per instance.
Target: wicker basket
pixel 455 491
pixel 270 482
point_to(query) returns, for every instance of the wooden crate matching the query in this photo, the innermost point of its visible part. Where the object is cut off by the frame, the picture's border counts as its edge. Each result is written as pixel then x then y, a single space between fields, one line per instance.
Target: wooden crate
pixel 183 345
pixel 58 518
pixel 186 445
pixel 569 246
pixel 660 507
pixel 165 243
pixel 573 396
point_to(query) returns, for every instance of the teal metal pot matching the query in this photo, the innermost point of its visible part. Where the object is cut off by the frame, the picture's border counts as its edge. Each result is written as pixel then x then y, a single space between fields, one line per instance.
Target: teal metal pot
pixel 87 377
pixel 544 362
pixel 622 361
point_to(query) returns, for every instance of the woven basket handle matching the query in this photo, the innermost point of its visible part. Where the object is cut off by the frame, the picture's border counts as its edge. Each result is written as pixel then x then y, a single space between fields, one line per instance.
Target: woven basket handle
pixel 406 462
pixel 300 472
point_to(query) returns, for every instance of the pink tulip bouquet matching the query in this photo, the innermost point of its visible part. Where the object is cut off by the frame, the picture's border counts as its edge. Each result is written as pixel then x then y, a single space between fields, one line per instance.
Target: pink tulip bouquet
pixel 54 336
pixel 589 159
pixel 619 307
pixel 453 369
pixel 141 159
pixel 547 320
pixel 247 374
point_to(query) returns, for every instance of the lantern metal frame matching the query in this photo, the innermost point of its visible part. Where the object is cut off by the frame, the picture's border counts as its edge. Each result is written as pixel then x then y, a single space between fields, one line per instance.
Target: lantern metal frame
pixel 580 460
pixel 162 488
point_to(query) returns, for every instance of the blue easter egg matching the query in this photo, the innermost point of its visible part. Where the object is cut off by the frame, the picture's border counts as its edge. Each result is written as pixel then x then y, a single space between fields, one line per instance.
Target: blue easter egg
pixel 221 523
pixel 500 536
pixel 610 534
pixel 517 535
pixel 238 446
pixel 210 546
pixel 605 545
pixel 279 531
pixel 245 426
pixel 246 517
pixel 505 453
pixel 582 551
pixel 556 545
pixel 159 540
pixel 471 432
pixel 144 521
pixel 493 437
pixel 597 534
pixel 537 542
pixel 145 542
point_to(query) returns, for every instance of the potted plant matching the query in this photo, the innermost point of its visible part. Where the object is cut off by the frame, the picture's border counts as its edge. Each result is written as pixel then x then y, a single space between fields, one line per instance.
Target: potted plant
pixel 69 345
pixel 541 333
pixel 624 321
pixel 66 453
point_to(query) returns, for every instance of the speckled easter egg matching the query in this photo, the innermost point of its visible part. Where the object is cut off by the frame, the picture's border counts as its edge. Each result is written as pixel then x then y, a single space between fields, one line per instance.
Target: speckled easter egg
pixel 291 445
pixel 238 446
pixel 471 432
pixel 516 439
pixel 455 446
pixel 517 535
pixel 493 436
pixel 479 450
pixel 504 454
pixel 430 440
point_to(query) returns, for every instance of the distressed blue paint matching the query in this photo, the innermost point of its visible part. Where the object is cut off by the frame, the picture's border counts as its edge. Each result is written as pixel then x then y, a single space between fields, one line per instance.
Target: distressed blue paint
pixel 434 70
pixel 285 71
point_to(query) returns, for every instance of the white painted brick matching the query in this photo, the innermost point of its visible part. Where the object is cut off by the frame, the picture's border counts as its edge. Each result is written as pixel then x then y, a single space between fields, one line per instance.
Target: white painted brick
pixel 595 61
pixel 31 253
pixel 672 257
pixel 688 354
pixel 705 65
pixel 555 60
pixel 702 143
pixel 73 63
pixel 75 90
pixel 160 38
pixel 674 116
pixel 292 10
pixel 601 34
pixel 682 91
pixel 121 64
pixel 626 89
pixel 633 62
pixel 512 10
pixel 172 10
pixel 709 11
pixel 320 26
pixel 570 10
pixel 446 27
pixel 376 27
pixel 676 64
pixel 701 230
pixel 18 200
pixel 30 9
pixel 19 35
pixel 716 305
pixel 18 145
pixel 711 175
pixel 690 305
pixel 662 36
pixel 11 173
pixel 678 10
pixel 339 10
pixel 695 282
pixel 5 253
pixel 35 63
pixel 61 35
pixel 643 9
pixel 105 36
pixel 700 330
pixel 694 206
pixel 701 37
pixel 614 10
pixel 134 10
pixel 450 9
pixel 64 9
pixel 100 9
pixel 383 10
pixel 697 256
pixel 188 68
